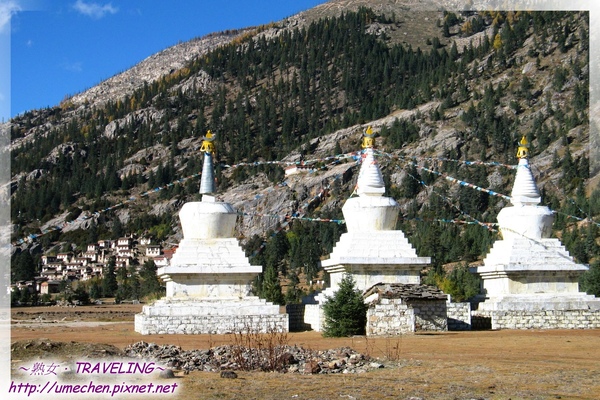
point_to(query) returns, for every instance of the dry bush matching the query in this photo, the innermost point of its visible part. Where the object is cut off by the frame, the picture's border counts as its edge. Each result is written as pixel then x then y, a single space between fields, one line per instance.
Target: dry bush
pixel 254 350
pixel 391 349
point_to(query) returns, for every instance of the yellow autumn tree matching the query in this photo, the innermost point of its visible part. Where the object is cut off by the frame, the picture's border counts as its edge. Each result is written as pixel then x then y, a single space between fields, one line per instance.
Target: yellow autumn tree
pixel 498 19
pixel 467 28
pixel 497 42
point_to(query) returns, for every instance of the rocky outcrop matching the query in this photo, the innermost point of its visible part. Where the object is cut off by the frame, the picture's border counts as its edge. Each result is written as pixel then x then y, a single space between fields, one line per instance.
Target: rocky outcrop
pixel 65 149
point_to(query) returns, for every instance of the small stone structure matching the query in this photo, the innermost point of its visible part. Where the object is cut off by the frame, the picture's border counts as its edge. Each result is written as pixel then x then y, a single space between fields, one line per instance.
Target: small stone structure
pixel 529 280
pixel 372 251
pixel 208 277
pixel 397 308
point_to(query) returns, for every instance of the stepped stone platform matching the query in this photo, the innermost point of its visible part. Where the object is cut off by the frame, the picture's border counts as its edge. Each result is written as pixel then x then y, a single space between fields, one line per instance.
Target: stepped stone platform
pixel 222 316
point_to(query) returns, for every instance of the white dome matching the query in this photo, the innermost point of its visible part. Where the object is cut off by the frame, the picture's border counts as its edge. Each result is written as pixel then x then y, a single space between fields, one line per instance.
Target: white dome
pixel 207 219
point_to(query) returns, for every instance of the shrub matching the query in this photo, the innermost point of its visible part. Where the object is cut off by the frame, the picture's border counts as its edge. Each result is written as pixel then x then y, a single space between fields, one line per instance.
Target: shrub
pixel 345 312
pixel 461 284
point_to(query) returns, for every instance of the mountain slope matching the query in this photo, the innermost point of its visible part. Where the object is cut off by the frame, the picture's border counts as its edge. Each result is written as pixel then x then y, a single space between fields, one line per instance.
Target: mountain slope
pixel 463 86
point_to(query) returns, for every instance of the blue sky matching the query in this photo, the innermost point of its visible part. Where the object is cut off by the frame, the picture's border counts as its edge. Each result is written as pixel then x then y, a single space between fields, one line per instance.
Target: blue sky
pixel 59 48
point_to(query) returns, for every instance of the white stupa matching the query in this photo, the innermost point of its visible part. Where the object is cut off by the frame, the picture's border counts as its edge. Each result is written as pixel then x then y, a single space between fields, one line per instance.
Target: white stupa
pixel 528 271
pixel 209 277
pixel 372 250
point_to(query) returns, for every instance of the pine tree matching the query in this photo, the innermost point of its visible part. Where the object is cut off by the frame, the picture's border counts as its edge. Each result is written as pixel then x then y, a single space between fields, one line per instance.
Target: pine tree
pixel 293 294
pixel 81 295
pixel 590 280
pixel 95 290
pixel 345 312
pixel 410 184
pixel 149 285
pixel 23 266
pixel 271 289
pixel 109 283
pixel 465 284
pixel 117 228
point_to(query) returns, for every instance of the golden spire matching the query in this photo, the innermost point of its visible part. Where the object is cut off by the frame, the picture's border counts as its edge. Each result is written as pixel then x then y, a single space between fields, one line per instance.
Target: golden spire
pixel 368 140
pixel 523 150
pixel 207 143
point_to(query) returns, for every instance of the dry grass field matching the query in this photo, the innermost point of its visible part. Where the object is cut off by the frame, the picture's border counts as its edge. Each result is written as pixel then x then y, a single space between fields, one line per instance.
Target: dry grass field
pixel 533 364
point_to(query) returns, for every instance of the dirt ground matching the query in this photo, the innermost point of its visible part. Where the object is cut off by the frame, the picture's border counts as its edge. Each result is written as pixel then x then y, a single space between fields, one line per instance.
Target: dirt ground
pixel 507 364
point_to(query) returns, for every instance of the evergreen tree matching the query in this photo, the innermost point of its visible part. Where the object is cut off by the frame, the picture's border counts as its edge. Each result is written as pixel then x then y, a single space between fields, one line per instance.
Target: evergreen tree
pixel 293 294
pixel 271 288
pixel 410 184
pixel 117 228
pixel 15 297
pixel 275 251
pixel 150 284
pixel 22 266
pixel 95 290
pixel 25 296
pixel 109 283
pixel 590 280
pixel 124 288
pixel 345 312
pixel 81 295
pixel 461 284
pixel 134 283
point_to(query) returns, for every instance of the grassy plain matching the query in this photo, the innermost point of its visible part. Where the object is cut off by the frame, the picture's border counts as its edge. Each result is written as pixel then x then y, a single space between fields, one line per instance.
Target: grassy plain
pixel 507 364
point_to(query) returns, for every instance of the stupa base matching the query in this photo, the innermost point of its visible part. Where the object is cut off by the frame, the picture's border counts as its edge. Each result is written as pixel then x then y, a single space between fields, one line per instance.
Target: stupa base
pixel 550 311
pixel 203 316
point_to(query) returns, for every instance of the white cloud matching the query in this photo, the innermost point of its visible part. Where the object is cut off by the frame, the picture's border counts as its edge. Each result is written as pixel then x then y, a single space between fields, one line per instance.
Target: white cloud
pixel 94 10
pixel 29 43
pixel 7 10
pixel 76 66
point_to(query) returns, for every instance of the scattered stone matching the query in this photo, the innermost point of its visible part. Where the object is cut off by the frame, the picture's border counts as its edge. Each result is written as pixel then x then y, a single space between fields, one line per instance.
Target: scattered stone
pixel 228 374
pixel 167 374
pixel 312 367
pixel 287 359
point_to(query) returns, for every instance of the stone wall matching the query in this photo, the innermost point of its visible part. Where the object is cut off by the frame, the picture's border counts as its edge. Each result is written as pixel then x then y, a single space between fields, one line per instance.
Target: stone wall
pixel 430 315
pixel 295 314
pixel 390 317
pixel 459 316
pixel 218 325
pixel 546 319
